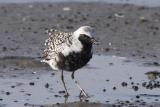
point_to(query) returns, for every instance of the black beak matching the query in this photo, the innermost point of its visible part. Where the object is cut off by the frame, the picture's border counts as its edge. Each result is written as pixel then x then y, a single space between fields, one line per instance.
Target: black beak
pixel 94 41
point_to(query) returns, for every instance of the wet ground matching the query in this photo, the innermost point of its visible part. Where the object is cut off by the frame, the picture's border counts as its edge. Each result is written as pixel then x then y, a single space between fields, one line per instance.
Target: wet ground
pixel 153 3
pixel 107 80
pixel 126 73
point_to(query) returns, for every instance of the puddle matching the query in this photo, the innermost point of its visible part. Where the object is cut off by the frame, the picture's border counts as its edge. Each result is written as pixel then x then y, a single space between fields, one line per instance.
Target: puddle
pixel 21 65
pixel 21 62
pixel 106 79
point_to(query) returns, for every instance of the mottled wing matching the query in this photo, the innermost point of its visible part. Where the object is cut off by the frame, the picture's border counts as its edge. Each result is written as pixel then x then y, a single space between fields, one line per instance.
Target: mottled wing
pixel 56 43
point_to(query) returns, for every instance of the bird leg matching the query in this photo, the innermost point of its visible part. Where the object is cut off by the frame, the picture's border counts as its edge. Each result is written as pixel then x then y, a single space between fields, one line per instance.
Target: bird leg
pixel 64 85
pixel 77 84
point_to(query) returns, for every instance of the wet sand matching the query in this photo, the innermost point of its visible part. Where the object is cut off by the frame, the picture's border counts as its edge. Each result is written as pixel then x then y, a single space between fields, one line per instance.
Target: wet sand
pixel 123 30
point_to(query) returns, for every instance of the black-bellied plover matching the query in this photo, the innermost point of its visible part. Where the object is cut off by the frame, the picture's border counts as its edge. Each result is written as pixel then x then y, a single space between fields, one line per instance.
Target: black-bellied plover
pixel 69 51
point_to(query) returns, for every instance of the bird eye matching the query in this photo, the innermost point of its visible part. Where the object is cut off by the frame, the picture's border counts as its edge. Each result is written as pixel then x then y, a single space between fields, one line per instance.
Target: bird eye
pixel 83 35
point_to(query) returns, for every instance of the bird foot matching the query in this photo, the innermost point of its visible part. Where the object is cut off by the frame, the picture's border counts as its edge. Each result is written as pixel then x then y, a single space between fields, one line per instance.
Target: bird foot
pixel 66 95
pixel 83 95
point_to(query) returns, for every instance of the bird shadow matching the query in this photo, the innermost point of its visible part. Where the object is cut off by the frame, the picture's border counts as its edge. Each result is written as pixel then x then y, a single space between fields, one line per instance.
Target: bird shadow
pixel 88 66
pixel 75 104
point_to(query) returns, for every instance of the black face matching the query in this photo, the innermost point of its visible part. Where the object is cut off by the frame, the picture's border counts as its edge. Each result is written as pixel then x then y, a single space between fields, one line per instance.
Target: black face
pixel 85 39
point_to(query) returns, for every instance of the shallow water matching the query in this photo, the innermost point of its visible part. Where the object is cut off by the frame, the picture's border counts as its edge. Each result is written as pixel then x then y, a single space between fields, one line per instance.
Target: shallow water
pixel 152 3
pixel 36 84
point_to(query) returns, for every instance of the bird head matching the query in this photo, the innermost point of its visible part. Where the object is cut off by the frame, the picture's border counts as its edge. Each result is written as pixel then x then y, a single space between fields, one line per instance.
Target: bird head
pixel 87 33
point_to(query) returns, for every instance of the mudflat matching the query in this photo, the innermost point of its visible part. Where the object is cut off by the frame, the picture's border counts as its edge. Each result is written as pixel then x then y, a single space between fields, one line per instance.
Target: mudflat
pixel 122 30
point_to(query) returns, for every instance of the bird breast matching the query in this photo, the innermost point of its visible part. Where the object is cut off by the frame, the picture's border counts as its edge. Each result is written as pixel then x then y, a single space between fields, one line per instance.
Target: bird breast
pixel 75 47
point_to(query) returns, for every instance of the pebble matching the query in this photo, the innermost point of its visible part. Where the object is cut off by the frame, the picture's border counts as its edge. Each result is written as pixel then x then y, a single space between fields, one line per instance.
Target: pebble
pixel 114 88
pixel 25 104
pixel 137 96
pixel 61 92
pixel 4 48
pixel 46 85
pixel 31 83
pixel 107 80
pixel 124 84
pixel 130 78
pixel 52 73
pixel 57 96
pixel 135 88
pixel 15 101
pixel 28 94
pixel 13 86
pixel 104 90
pixel 8 93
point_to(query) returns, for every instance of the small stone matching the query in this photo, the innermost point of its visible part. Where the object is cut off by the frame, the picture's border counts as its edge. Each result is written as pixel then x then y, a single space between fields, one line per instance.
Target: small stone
pixel 13 75
pixel 107 80
pixel 114 88
pixel 31 83
pixel 56 96
pixel 69 27
pixel 127 102
pixel 13 86
pixel 8 93
pixel 156 99
pixel 4 48
pixel 86 100
pixel 144 84
pixel 25 104
pixel 52 73
pixel 137 96
pixel 111 63
pixel 132 83
pixel 61 92
pixel 106 49
pixel 135 88
pixel 156 64
pixel 104 90
pixel 28 94
pixel 15 101
pixel 130 78
pixel 124 84
pixel 46 85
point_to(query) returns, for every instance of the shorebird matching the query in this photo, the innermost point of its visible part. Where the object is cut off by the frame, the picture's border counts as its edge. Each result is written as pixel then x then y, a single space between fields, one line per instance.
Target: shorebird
pixel 69 51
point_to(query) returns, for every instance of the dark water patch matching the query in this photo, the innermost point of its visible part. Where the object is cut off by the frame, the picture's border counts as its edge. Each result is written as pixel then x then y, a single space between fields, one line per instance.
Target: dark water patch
pixel 17 63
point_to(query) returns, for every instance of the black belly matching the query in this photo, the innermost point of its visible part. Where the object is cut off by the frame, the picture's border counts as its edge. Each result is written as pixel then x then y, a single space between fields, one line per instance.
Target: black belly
pixel 76 60
pixel 73 61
